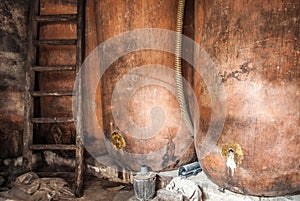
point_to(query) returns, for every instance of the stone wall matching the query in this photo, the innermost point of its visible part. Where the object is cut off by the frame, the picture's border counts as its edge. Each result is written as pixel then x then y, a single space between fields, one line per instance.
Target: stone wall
pixel 13 33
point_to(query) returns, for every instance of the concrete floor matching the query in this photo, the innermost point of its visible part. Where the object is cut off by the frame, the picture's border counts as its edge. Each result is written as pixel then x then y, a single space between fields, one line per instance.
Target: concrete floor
pixel 101 190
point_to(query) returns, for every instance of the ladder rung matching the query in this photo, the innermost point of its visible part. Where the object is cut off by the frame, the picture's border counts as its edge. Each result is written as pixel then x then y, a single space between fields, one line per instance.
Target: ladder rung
pixel 55 42
pixel 56 18
pixel 52 147
pixel 51 93
pixel 54 174
pixel 53 68
pixel 4 189
pixel 48 120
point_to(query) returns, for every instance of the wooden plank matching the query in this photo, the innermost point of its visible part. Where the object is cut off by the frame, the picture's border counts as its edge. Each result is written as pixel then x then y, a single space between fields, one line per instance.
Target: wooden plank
pixel 4 189
pixel 55 42
pixel 79 168
pixel 29 83
pixel 52 147
pixel 80 29
pixel 52 93
pixel 56 18
pixel 47 120
pixel 55 174
pixel 54 68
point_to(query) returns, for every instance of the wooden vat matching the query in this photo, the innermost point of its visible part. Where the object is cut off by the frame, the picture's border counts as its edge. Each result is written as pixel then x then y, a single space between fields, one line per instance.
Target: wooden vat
pixel 255 46
pixel 159 151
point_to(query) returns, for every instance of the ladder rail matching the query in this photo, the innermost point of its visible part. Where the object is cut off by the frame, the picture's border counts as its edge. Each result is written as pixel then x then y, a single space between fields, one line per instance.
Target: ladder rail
pixel 29 84
pixel 79 169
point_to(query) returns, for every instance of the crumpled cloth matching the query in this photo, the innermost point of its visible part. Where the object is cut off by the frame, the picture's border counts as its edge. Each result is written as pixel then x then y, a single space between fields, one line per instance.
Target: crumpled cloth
pixel 30 187
pixel 187 188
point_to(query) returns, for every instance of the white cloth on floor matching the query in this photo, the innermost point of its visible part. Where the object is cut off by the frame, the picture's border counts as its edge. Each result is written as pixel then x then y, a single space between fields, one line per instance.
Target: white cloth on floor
pixel 186 187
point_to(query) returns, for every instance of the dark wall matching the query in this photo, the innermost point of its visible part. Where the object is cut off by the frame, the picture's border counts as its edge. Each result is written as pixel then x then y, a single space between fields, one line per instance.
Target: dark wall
pixel 13 33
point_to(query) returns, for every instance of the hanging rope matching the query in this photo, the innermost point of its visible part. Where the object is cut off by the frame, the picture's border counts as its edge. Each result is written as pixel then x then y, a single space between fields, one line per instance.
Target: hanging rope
pixel 178 69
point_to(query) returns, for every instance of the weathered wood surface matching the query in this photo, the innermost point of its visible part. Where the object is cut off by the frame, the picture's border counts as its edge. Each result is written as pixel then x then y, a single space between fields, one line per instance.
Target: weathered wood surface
pixel 56 18
pixel 54 68
pixel 90 125
pixel 116 17
pixel 255 47
pixel 58 48
pixel 29 85
pixel 52 147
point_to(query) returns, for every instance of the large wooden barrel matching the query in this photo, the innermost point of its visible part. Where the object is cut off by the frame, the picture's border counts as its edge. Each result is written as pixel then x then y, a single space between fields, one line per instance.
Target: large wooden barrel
pixel 161 150
pixel 255 46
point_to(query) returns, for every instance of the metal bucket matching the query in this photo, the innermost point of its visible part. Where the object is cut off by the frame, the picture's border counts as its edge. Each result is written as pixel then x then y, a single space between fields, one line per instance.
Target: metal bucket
pixel 144 184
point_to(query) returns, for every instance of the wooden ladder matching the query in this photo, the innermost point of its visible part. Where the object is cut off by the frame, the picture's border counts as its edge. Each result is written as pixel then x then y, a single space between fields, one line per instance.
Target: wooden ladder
pixel 30 94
